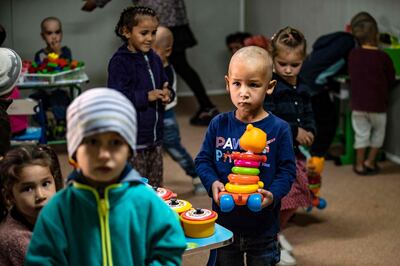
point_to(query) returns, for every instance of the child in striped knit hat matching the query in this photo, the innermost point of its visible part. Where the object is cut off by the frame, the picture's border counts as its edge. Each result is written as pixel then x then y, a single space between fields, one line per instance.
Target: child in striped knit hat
pixel 106 215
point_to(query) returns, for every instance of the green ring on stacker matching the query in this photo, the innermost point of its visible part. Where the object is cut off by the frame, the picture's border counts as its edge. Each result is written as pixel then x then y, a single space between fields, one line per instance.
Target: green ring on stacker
pixel 245 170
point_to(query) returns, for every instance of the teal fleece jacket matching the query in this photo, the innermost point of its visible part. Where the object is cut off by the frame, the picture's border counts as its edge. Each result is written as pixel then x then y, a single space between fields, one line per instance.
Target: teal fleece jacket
pixel 131 225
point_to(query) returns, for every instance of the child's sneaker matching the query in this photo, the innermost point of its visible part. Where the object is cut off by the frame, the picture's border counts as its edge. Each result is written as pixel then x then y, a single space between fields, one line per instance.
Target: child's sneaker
pixel 287 259
pixel 198 187
pixel 284 243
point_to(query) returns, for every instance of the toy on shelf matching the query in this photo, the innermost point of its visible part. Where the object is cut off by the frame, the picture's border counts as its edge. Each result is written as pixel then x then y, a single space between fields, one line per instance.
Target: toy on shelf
pixel 164 193
pixel 315 166
pixel 179 205
pixel 50 70
pixel 198 223
pixel 244 181
pixel 53 64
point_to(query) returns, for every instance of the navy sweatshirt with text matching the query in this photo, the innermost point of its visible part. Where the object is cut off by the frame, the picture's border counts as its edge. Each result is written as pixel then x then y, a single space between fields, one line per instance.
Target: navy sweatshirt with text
pixel 278 173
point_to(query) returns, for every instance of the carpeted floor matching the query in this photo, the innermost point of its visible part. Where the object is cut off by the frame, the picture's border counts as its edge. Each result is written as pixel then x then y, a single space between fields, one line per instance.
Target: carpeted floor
pixel 360 226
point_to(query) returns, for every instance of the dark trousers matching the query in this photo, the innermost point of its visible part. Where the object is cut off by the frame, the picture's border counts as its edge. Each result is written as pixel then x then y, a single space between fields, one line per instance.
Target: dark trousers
pixel 256 250
pixel 192 79
pixel 326 116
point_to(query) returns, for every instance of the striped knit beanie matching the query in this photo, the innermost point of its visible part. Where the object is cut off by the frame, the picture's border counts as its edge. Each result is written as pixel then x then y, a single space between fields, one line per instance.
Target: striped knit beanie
pixel 100 110
pixel 10 68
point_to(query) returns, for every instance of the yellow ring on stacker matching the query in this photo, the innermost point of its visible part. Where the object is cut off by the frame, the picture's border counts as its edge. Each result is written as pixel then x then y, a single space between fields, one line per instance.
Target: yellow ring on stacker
pixel 246 189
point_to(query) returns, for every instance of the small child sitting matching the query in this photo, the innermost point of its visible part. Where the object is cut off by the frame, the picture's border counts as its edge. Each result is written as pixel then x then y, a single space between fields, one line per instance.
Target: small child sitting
pixel 107 215
pixel 51 32
pixel 56 100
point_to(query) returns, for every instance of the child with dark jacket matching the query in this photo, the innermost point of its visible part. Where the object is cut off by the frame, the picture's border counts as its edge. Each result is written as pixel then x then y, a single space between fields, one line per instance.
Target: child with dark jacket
pixel 291 101
pixel 172 138
pixel 248 82
pixel 371 76
pixel 137 72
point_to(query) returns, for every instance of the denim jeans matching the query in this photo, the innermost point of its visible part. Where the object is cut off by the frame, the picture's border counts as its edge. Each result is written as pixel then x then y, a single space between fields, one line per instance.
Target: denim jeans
pixel 259 250
pixel 172 144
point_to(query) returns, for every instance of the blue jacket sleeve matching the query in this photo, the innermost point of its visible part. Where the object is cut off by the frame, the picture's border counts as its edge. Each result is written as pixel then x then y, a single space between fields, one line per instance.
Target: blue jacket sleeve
pixel 121 80
pixel 285 166
pixel 205 166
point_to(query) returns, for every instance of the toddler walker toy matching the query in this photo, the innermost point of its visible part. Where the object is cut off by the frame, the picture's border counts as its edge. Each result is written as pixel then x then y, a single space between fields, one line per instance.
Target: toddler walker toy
pixel 244 180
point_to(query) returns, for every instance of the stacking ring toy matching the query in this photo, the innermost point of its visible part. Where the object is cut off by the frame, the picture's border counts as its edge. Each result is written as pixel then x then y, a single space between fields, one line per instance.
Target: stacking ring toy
pixel 248 156
pixel 245 170
pixel 247 163
pixel 245 189
pixel 243 179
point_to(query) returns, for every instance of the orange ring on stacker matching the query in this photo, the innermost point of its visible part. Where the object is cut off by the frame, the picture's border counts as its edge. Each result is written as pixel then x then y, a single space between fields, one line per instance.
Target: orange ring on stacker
pixel 248 156
pixel 243 179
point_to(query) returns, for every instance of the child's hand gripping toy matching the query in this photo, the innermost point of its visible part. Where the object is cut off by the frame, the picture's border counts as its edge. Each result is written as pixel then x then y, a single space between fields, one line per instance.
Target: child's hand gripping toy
pixel 315 166
pixel 244 181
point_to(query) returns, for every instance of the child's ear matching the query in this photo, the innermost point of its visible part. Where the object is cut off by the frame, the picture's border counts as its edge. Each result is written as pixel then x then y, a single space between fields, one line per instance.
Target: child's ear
pixel 271 87
pixel 227 83
pixel 8 197
pixel 125 32
pixel 168 51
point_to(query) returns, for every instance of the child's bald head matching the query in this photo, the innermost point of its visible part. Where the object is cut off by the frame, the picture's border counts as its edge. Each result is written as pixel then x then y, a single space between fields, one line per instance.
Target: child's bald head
pixel 253 56
pixel 163 43
pixel 249 82
pixel 164 37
